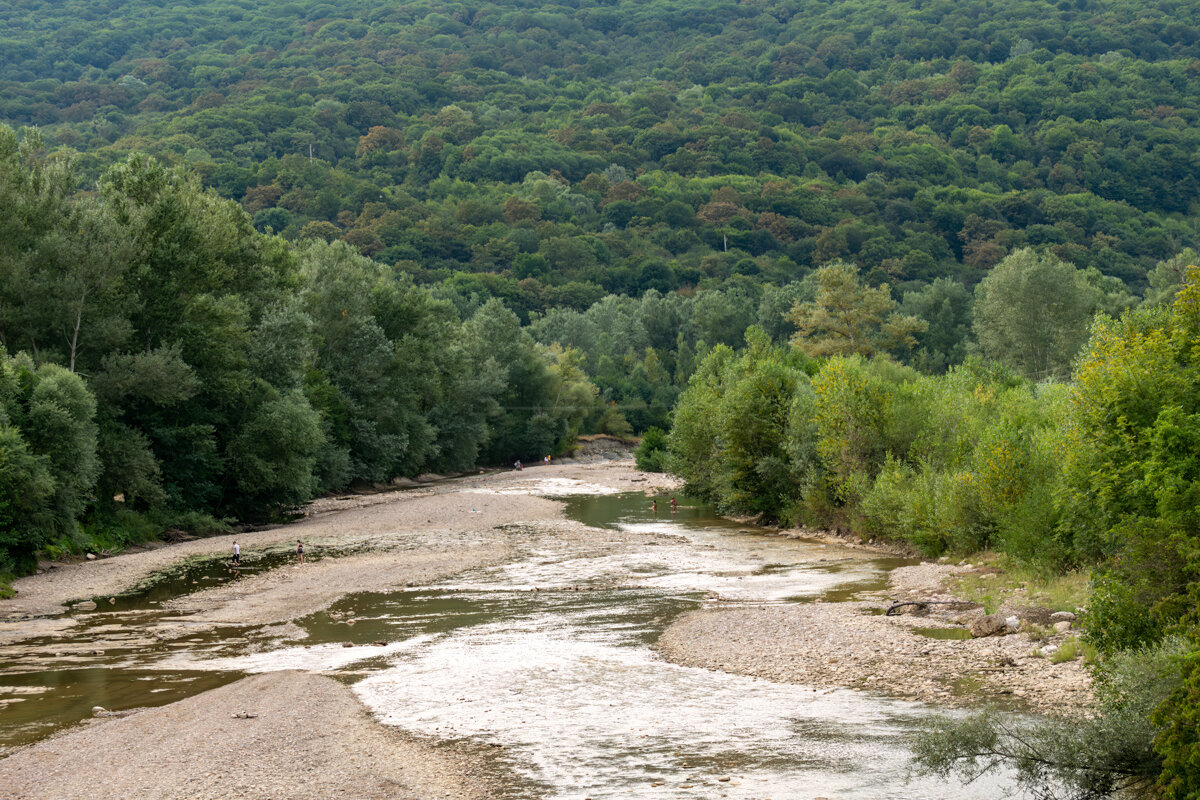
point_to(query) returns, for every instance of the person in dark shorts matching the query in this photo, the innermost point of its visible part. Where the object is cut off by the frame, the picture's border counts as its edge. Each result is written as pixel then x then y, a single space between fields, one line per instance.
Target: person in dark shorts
pixel 237 554
pixel 299 552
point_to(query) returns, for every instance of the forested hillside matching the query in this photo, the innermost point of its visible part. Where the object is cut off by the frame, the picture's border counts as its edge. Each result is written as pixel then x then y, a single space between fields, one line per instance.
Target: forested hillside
pixel 915 269
pixel 549 154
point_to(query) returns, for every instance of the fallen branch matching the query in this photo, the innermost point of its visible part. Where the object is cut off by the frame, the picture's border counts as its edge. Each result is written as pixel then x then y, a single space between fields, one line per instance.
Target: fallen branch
pixel 924 603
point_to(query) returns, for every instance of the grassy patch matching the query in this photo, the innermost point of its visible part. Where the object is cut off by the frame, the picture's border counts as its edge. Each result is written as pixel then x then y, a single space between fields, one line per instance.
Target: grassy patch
pixel 1003 579
pixel 967 684
pixel 1037 633
pixel 1070 650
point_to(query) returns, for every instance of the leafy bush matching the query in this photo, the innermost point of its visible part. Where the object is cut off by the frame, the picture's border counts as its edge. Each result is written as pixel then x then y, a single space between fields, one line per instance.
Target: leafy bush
pixel 1110 754
pixel 651 452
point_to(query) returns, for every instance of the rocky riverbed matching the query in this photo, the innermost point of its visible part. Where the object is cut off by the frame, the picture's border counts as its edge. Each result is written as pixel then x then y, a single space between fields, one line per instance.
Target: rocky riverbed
pixel 855 644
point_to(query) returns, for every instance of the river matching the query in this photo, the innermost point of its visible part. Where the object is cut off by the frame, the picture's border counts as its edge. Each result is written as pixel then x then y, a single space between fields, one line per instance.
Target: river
pixel 549 657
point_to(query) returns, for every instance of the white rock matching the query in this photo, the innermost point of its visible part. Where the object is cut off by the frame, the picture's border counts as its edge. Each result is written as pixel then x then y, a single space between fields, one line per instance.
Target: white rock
pixel 1062 626
pixel 1049 649
pixel 1012 623
pixel 91 556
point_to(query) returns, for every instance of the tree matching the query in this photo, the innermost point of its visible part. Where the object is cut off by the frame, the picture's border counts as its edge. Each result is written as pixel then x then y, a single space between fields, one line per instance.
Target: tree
pixel 847 318
pixel 1167 277
pixel 48 463
pixel 1108 754
pixel 1032 313
pixel 946 307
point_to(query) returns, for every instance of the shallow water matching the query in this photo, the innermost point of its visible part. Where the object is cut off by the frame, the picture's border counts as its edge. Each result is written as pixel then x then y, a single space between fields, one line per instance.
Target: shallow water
pixel 567 683
pixel 550 657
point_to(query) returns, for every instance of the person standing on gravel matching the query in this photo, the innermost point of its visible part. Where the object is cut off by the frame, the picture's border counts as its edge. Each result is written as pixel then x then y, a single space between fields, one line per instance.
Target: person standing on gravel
pixel 237 555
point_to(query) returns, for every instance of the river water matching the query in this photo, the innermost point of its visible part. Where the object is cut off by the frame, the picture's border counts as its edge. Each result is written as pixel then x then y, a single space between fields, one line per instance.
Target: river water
pixel 549 657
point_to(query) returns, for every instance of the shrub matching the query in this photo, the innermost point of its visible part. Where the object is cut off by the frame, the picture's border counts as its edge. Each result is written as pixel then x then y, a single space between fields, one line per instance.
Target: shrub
pixel 651 453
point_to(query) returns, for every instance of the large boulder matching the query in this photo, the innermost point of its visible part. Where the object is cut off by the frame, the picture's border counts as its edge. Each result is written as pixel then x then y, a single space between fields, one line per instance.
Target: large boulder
pixel 989 625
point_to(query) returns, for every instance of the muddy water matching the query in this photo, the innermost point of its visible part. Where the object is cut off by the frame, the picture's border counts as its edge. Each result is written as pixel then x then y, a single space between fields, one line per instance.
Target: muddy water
pixel 550 657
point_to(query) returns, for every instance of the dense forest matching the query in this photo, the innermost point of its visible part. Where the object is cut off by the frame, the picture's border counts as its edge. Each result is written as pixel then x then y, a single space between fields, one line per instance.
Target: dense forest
pixel 551 154
pixel 917 270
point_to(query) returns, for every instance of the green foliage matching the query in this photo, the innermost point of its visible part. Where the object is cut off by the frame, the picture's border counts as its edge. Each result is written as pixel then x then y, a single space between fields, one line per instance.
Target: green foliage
pixel 847 318
pixel 694 443
pixel 1032 313
pixel 553 155
pixel 1134 467
pixel 651 452
pixel 1178 741
pixel 946 307
pixel 961 462
pixel 48 460
pixel 212 371
pixel 1110 754
pixel 732 437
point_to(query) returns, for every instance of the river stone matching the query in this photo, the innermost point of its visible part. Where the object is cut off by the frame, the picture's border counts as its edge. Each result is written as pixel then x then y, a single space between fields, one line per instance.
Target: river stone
pixel 1062 626
pixel 91 556
pixel 988 625
pixel 86 605
pixel 1062 616
pixel 1049 649
pixel 99 711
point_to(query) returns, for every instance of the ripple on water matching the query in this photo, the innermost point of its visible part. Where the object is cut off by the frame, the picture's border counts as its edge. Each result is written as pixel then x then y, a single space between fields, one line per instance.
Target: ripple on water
pixel 582 711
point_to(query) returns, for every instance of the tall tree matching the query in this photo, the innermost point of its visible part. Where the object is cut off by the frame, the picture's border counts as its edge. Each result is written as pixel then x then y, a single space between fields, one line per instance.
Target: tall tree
pixel 848 318
pixel 1032 312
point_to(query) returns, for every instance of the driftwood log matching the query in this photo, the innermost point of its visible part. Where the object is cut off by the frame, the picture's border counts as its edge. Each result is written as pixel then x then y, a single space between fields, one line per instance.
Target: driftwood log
pixel 891 612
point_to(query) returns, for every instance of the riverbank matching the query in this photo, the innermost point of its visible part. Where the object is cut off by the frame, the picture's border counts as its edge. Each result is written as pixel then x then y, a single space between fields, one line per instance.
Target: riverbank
pixel 855 645
pixel 303 737
pixel 464 512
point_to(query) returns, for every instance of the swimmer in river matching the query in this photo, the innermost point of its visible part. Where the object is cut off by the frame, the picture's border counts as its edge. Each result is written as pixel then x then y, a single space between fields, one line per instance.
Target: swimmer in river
pixel 674 505
pixel 654 507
